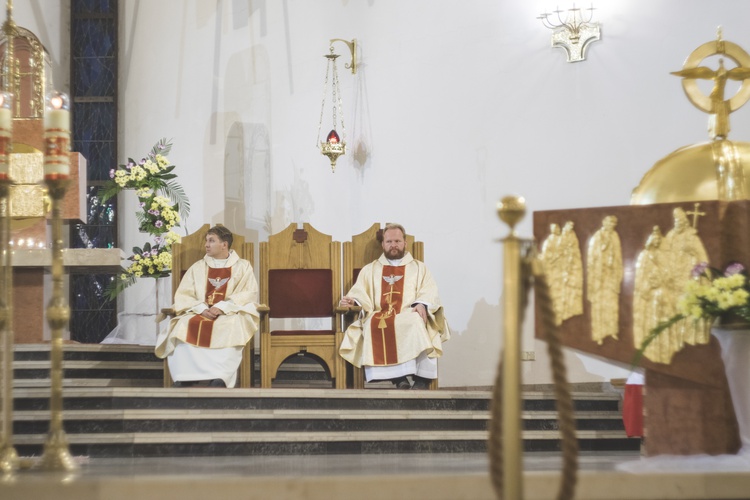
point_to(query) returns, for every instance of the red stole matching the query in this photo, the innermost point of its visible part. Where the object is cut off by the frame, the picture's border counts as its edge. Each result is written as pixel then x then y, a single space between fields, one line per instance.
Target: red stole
pixel 382 325
pixel 200 328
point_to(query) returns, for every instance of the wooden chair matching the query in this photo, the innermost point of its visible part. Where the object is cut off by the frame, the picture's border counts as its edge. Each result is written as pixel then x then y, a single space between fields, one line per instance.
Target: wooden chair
pixel 300 278
pixel 190 250
pixel 364 248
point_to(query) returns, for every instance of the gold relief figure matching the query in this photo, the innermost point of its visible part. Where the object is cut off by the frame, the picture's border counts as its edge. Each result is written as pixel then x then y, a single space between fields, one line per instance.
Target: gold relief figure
pixel 652 301
pixel 551 260
pixel 572 273
pixel 604 278
pixel 684 249
pixel 561 256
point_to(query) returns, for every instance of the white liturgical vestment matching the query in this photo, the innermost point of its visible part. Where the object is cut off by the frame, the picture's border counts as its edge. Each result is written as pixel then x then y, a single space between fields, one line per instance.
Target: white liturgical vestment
pixel 389 332
pixel 218 353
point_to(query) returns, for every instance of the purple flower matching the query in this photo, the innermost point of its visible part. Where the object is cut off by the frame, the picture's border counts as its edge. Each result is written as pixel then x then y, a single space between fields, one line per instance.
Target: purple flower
pixel 158 240
pixel 158 223
pixel 146 254
pixel 111 173
pixel 154 212
pixel 154 252
pixel 699 269
pixel 734 268
pixel 143 204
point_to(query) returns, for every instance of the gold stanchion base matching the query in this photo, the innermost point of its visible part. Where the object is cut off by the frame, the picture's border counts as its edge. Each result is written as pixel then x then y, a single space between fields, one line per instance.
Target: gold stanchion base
pixel 56 456
pixel 8 460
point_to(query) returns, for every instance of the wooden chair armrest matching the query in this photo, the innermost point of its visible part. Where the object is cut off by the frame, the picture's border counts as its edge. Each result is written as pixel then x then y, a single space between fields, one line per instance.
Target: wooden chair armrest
pixel 263 309
pixel 348 310
pixel 168 311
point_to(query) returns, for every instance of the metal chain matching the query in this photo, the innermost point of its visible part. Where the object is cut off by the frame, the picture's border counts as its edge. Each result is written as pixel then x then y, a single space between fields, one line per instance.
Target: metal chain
pixel 323 105
pixel 337 88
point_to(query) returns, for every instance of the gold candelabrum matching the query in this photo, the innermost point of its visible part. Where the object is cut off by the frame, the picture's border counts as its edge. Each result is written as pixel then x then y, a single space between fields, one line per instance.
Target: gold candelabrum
pixel 572 30
pixel 56 456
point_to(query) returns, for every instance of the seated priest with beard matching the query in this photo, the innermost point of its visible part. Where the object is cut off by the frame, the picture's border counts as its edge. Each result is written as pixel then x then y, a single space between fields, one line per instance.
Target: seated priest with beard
pixel 216 316
pixel 402 327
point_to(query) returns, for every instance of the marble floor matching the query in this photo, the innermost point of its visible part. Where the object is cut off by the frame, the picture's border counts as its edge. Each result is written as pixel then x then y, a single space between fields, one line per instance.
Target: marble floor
pixel 412 476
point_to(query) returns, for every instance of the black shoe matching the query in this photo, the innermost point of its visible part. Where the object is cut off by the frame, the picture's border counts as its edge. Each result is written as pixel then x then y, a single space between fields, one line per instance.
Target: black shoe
pixel 421 383
pixel 217 382
pixel 186 383
pixel 401 383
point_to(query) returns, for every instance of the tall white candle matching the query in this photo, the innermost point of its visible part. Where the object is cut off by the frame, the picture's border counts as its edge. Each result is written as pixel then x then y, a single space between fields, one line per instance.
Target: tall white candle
pixel 56 136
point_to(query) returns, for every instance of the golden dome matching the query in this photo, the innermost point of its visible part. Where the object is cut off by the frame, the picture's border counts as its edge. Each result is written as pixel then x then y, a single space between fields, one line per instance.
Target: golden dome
pixel 715 170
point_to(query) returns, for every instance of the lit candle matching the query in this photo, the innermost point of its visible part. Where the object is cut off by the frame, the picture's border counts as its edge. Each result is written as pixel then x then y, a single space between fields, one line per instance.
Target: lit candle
pixel 56 136
pixel 6 125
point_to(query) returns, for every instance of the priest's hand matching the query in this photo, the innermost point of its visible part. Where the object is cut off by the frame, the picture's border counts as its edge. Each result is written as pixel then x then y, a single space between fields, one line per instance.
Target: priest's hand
pixel 212 313
pixel 347 302
pixel 420 309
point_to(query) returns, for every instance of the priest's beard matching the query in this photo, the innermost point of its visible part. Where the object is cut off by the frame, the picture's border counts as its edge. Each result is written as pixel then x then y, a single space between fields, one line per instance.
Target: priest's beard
pixel 395 253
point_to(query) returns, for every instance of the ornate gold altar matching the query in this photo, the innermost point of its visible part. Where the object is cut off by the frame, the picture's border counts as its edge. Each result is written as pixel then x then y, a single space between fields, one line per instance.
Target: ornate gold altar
pixel 624 268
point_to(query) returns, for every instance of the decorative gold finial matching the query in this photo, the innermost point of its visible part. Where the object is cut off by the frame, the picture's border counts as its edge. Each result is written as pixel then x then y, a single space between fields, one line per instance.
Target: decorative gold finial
pixel 718 107
pixel 511 210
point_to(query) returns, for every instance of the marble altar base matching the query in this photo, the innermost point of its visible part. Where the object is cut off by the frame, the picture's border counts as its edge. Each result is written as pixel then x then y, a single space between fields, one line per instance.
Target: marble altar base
pixel 32 285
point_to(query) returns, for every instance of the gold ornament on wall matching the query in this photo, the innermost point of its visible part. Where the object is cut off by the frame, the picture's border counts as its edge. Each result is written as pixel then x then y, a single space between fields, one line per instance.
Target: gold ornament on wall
pixel 573 30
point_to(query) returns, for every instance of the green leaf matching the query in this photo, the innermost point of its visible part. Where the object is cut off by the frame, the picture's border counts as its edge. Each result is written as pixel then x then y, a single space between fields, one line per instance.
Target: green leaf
pixel 117 285
pixel 109 190
pixel 177 194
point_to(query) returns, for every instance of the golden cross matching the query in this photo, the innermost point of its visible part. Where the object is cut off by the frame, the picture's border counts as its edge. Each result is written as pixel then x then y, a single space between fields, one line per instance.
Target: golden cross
pixel 389 299
pixel 695 213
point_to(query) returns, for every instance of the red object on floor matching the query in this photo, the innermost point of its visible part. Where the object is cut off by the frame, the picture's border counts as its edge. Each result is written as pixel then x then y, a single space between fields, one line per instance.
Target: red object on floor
pixel 632 410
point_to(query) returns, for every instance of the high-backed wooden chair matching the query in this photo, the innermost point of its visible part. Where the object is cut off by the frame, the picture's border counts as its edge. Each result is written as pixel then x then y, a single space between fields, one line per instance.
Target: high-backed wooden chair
pixel 364 248
pixel 190 250
pixel 300 277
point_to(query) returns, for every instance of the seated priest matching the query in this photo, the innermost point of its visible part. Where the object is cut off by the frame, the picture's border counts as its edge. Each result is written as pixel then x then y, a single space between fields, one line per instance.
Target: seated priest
pixel 216 316
pixel 402 327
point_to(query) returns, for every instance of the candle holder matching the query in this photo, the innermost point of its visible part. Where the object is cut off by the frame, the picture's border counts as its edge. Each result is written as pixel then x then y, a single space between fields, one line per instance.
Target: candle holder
pixel 8 455
pixel 56 454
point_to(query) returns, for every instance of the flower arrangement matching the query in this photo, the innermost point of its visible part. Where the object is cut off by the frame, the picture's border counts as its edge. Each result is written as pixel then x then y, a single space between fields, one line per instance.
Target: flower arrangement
pixel 159 214
pixel 711 294
pixel 163 205
pixel 149 175
pixel 154 261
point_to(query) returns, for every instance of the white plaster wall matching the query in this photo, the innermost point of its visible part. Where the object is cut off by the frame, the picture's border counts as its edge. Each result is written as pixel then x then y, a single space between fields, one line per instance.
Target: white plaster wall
pixel 456 103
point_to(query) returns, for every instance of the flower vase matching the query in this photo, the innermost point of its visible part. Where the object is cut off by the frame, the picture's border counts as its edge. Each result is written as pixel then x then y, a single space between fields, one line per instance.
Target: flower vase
pixel 734 340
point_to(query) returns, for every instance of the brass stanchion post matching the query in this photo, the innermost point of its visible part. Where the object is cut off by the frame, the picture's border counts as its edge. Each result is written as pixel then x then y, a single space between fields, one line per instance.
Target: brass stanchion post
pixel 511 210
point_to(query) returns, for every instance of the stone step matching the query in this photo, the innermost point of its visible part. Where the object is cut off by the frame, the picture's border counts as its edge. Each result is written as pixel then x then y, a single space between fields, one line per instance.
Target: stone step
pixel 255 399
pixel 114 406
pixel 306 443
